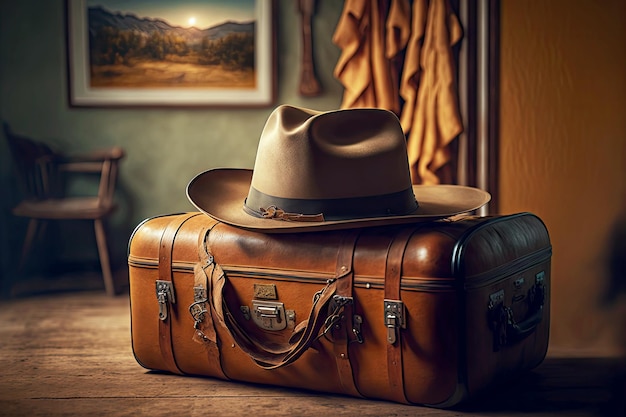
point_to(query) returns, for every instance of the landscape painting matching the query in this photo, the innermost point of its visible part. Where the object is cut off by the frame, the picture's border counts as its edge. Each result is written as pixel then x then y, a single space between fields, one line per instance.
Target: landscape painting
pixel 169 53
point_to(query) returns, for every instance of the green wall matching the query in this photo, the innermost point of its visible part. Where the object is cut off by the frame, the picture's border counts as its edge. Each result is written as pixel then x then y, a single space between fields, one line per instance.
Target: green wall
pixel 165 147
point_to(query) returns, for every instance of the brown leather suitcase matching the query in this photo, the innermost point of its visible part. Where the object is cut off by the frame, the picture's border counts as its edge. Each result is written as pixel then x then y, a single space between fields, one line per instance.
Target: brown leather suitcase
pixel 429 313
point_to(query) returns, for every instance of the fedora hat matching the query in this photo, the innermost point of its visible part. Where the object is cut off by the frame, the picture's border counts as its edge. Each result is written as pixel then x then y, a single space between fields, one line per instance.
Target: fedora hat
pixel 327 170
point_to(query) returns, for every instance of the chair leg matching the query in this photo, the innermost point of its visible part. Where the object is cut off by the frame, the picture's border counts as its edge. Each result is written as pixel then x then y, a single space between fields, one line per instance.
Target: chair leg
pixel 103 251
pixel 31 231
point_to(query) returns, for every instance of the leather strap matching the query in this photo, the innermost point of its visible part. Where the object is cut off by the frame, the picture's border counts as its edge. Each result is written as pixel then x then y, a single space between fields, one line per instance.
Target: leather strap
pixel 268 356
pixel 341 335
pixel 273 356
pixel 201 310
pixel 166 245
pixel 393 275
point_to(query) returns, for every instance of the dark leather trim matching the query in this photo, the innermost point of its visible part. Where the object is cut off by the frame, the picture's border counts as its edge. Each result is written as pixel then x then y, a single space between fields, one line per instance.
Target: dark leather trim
pixel 342 336
pixel 393 276
pixel 166 245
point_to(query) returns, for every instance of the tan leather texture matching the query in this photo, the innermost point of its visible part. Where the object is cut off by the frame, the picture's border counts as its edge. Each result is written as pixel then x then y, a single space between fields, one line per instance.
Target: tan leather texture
pixel 429 313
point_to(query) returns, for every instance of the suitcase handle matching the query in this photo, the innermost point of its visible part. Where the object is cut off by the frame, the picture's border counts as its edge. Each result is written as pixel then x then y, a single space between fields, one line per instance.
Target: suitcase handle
pixel 506 330
pixel 320 319
pixel 273 356
pixel 517 331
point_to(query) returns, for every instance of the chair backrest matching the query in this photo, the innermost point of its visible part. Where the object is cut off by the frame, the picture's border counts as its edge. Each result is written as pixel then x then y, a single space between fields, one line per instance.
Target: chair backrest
pixel 105 164
pixel 41 171
pixel 34 166
pixel 108 180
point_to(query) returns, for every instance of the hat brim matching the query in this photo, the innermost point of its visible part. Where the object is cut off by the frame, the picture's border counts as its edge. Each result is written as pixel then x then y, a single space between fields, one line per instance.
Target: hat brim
pixel 221 193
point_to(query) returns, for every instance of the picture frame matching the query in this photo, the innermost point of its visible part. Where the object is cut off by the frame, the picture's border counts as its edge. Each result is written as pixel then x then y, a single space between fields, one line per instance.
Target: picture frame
pixel 140 54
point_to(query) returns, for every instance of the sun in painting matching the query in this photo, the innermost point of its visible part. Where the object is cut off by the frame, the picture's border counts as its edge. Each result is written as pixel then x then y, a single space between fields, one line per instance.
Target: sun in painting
pixel 191 21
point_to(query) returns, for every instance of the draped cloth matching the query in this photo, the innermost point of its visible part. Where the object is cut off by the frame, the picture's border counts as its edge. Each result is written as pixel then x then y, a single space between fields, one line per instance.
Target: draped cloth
pixel 397 55
pixel 363 68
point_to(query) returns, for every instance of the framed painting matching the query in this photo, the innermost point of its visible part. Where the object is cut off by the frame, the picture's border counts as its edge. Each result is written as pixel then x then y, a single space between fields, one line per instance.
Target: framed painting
pixel 171 53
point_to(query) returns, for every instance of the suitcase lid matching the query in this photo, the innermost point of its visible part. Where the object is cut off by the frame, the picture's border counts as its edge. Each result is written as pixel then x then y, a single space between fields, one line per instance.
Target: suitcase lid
pixel 439 254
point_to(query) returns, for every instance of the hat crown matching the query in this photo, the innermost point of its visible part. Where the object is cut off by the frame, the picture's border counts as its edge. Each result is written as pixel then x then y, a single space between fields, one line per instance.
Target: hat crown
pixel 311 155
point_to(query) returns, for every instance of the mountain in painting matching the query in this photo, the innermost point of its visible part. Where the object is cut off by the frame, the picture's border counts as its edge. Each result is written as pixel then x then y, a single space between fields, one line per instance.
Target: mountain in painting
pixel 100 18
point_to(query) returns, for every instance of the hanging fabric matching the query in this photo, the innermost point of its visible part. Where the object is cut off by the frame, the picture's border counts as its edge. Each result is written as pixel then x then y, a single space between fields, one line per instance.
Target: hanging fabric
pixel 363 68
pixel 397 55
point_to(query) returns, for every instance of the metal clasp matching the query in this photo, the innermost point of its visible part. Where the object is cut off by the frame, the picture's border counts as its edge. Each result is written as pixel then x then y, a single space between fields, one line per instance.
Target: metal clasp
pixel 336 316
pixel 357 321
pixel 498 315
pixel 537 294
pixel 337 302
pixel 269 315
pixel 495 299
pixel 395 318
pixel 197 309
pixel 165 296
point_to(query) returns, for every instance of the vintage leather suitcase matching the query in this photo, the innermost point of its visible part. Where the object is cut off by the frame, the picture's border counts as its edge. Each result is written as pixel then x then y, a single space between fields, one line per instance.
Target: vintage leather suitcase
pixel 429 313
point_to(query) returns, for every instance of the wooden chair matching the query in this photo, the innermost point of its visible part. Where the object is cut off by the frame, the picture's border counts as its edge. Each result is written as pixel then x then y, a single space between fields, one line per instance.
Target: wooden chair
pixel 40 172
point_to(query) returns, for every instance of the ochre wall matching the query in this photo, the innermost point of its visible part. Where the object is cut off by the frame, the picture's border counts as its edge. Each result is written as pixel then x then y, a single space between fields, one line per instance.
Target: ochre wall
pixel 563 148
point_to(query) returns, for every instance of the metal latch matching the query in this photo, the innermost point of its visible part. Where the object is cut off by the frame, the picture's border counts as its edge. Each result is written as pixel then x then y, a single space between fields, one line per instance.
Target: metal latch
pixel 537 294
pixel 197 309
pixel 165 295
pixel 338 302
pixel 498 315
pixel 395 318
pixel 269 315
pixel 495 299
pixel 357 321
pixel 540 277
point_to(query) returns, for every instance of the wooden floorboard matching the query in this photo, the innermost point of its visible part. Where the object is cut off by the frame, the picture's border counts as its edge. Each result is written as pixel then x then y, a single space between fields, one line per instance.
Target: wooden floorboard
pixel 69 354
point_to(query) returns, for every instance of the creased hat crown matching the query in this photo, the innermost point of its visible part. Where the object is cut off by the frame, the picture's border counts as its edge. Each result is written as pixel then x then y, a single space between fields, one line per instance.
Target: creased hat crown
pixel 339 164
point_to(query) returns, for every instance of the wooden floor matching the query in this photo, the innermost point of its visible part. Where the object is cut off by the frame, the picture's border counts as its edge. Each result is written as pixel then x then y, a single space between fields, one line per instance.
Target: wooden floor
pixel 69 354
